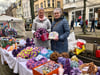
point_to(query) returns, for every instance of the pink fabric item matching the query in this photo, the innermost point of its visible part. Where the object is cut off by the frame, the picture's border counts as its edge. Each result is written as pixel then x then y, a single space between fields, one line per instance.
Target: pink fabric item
pixel 41 19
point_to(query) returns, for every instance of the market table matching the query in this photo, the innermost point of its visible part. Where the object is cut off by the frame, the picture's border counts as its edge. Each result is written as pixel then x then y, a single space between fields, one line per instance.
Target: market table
pixel 17 64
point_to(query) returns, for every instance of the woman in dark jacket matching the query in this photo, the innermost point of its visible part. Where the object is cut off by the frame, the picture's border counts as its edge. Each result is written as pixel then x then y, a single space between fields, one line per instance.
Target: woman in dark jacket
pixel 60 25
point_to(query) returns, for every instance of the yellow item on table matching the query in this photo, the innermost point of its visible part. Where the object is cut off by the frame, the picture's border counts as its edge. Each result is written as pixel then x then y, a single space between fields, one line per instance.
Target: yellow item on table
pixel 11 48
pixel 74 58
pixel 78 51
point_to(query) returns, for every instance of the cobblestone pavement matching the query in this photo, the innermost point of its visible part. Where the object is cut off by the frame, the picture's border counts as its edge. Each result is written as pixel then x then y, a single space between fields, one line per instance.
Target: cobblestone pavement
pixel 4 69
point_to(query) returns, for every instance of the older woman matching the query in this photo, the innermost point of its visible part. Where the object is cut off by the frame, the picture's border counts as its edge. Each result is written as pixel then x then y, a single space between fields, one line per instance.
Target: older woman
pixel 60 25
pixel 41 22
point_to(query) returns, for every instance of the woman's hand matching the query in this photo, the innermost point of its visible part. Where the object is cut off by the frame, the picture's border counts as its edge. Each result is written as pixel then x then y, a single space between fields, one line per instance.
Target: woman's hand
pixel 56 39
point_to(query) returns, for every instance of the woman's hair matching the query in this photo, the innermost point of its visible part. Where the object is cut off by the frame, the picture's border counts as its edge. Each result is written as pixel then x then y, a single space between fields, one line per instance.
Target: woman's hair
pixel 58 9
pixel 40 9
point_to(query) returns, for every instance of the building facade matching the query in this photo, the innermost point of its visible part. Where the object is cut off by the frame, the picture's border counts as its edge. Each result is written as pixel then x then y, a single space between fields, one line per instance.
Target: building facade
pixel 26 10
pixel 74 9
pixel 11 11
pixel 49 6
pixel 19 10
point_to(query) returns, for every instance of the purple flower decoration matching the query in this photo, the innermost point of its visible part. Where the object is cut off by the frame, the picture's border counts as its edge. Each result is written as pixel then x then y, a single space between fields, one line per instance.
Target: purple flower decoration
pixel 67 67
pixel 39 33
pixel 62 60
pixel 29 43
pixel 76 71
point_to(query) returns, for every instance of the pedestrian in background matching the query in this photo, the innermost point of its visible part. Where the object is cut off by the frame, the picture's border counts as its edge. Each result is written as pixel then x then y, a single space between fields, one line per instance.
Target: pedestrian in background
pixel 72 24
pixel 60 25
pixel 76 22
pixel 86 25
pixel 92 25
pixel 41 22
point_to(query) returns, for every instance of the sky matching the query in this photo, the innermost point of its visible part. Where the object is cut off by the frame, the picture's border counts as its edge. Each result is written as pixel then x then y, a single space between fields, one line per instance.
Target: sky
pixel 4 4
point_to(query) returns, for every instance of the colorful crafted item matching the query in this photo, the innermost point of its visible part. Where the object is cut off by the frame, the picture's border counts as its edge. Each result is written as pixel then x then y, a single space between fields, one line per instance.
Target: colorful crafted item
pixel 78 50
pixel 89 68
pixel 98 53
pixel 48 68
pixel 75 71
pixel 31 63
pixel 10 32
pixel 53 35
pixel 41 34
pixel 29 52
pixel 46 53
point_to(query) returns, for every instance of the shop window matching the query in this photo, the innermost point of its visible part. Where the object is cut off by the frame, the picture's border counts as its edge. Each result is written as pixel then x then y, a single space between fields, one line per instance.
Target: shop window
pixel 91 14
pixel 77 14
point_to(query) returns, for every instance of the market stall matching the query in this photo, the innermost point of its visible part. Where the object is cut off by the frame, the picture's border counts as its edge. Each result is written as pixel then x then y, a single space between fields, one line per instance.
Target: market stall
pixel 12 22
pixel 24 58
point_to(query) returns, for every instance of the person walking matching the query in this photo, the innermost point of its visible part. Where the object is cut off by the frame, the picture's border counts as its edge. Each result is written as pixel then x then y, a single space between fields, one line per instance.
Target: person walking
pixel 76 22
pixel 86 25
pixel 60 25
pixel 92 25
pixel 72 24
pixel 41 22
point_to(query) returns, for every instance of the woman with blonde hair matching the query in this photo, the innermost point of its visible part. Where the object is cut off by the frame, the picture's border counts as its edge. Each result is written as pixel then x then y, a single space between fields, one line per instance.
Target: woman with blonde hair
pixel 41 22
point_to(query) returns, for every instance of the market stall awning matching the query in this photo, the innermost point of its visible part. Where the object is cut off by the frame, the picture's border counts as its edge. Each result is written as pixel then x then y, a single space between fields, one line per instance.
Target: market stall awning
pixel 4 18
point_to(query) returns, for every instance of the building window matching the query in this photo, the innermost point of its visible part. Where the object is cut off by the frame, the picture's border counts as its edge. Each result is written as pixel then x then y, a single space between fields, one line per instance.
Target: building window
pixel 48 3
pixel 58 4
pixel 41 5
pixel 44 4
pixel 77 14
pixel 66 1
pixel 91 14
pixel 53 3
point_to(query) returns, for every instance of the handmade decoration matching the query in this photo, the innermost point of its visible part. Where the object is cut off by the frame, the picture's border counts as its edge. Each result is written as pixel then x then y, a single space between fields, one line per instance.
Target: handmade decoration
pixel 74 64
pixel 10 32
pixel 29 52
pixel 46 53
pixel 31 63
pixel 74 58
pixel 75 71
pixel 54 56
pixel 62 60
pixel 47 68
pixel 40 33
pixel 6 42
pixel 65 55
pixel 67 67
pixel 92 68
pixel 30 43
pixel 15 52
pixel 53 35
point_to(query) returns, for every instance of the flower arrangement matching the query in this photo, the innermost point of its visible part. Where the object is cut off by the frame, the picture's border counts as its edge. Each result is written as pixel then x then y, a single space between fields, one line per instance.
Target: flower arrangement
pixel 10 32
pixel 31 63
pixel 40 32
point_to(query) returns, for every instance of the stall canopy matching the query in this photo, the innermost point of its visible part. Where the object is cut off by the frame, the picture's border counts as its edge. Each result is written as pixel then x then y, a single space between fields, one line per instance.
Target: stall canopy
pixel 5 18
pixel 16 23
